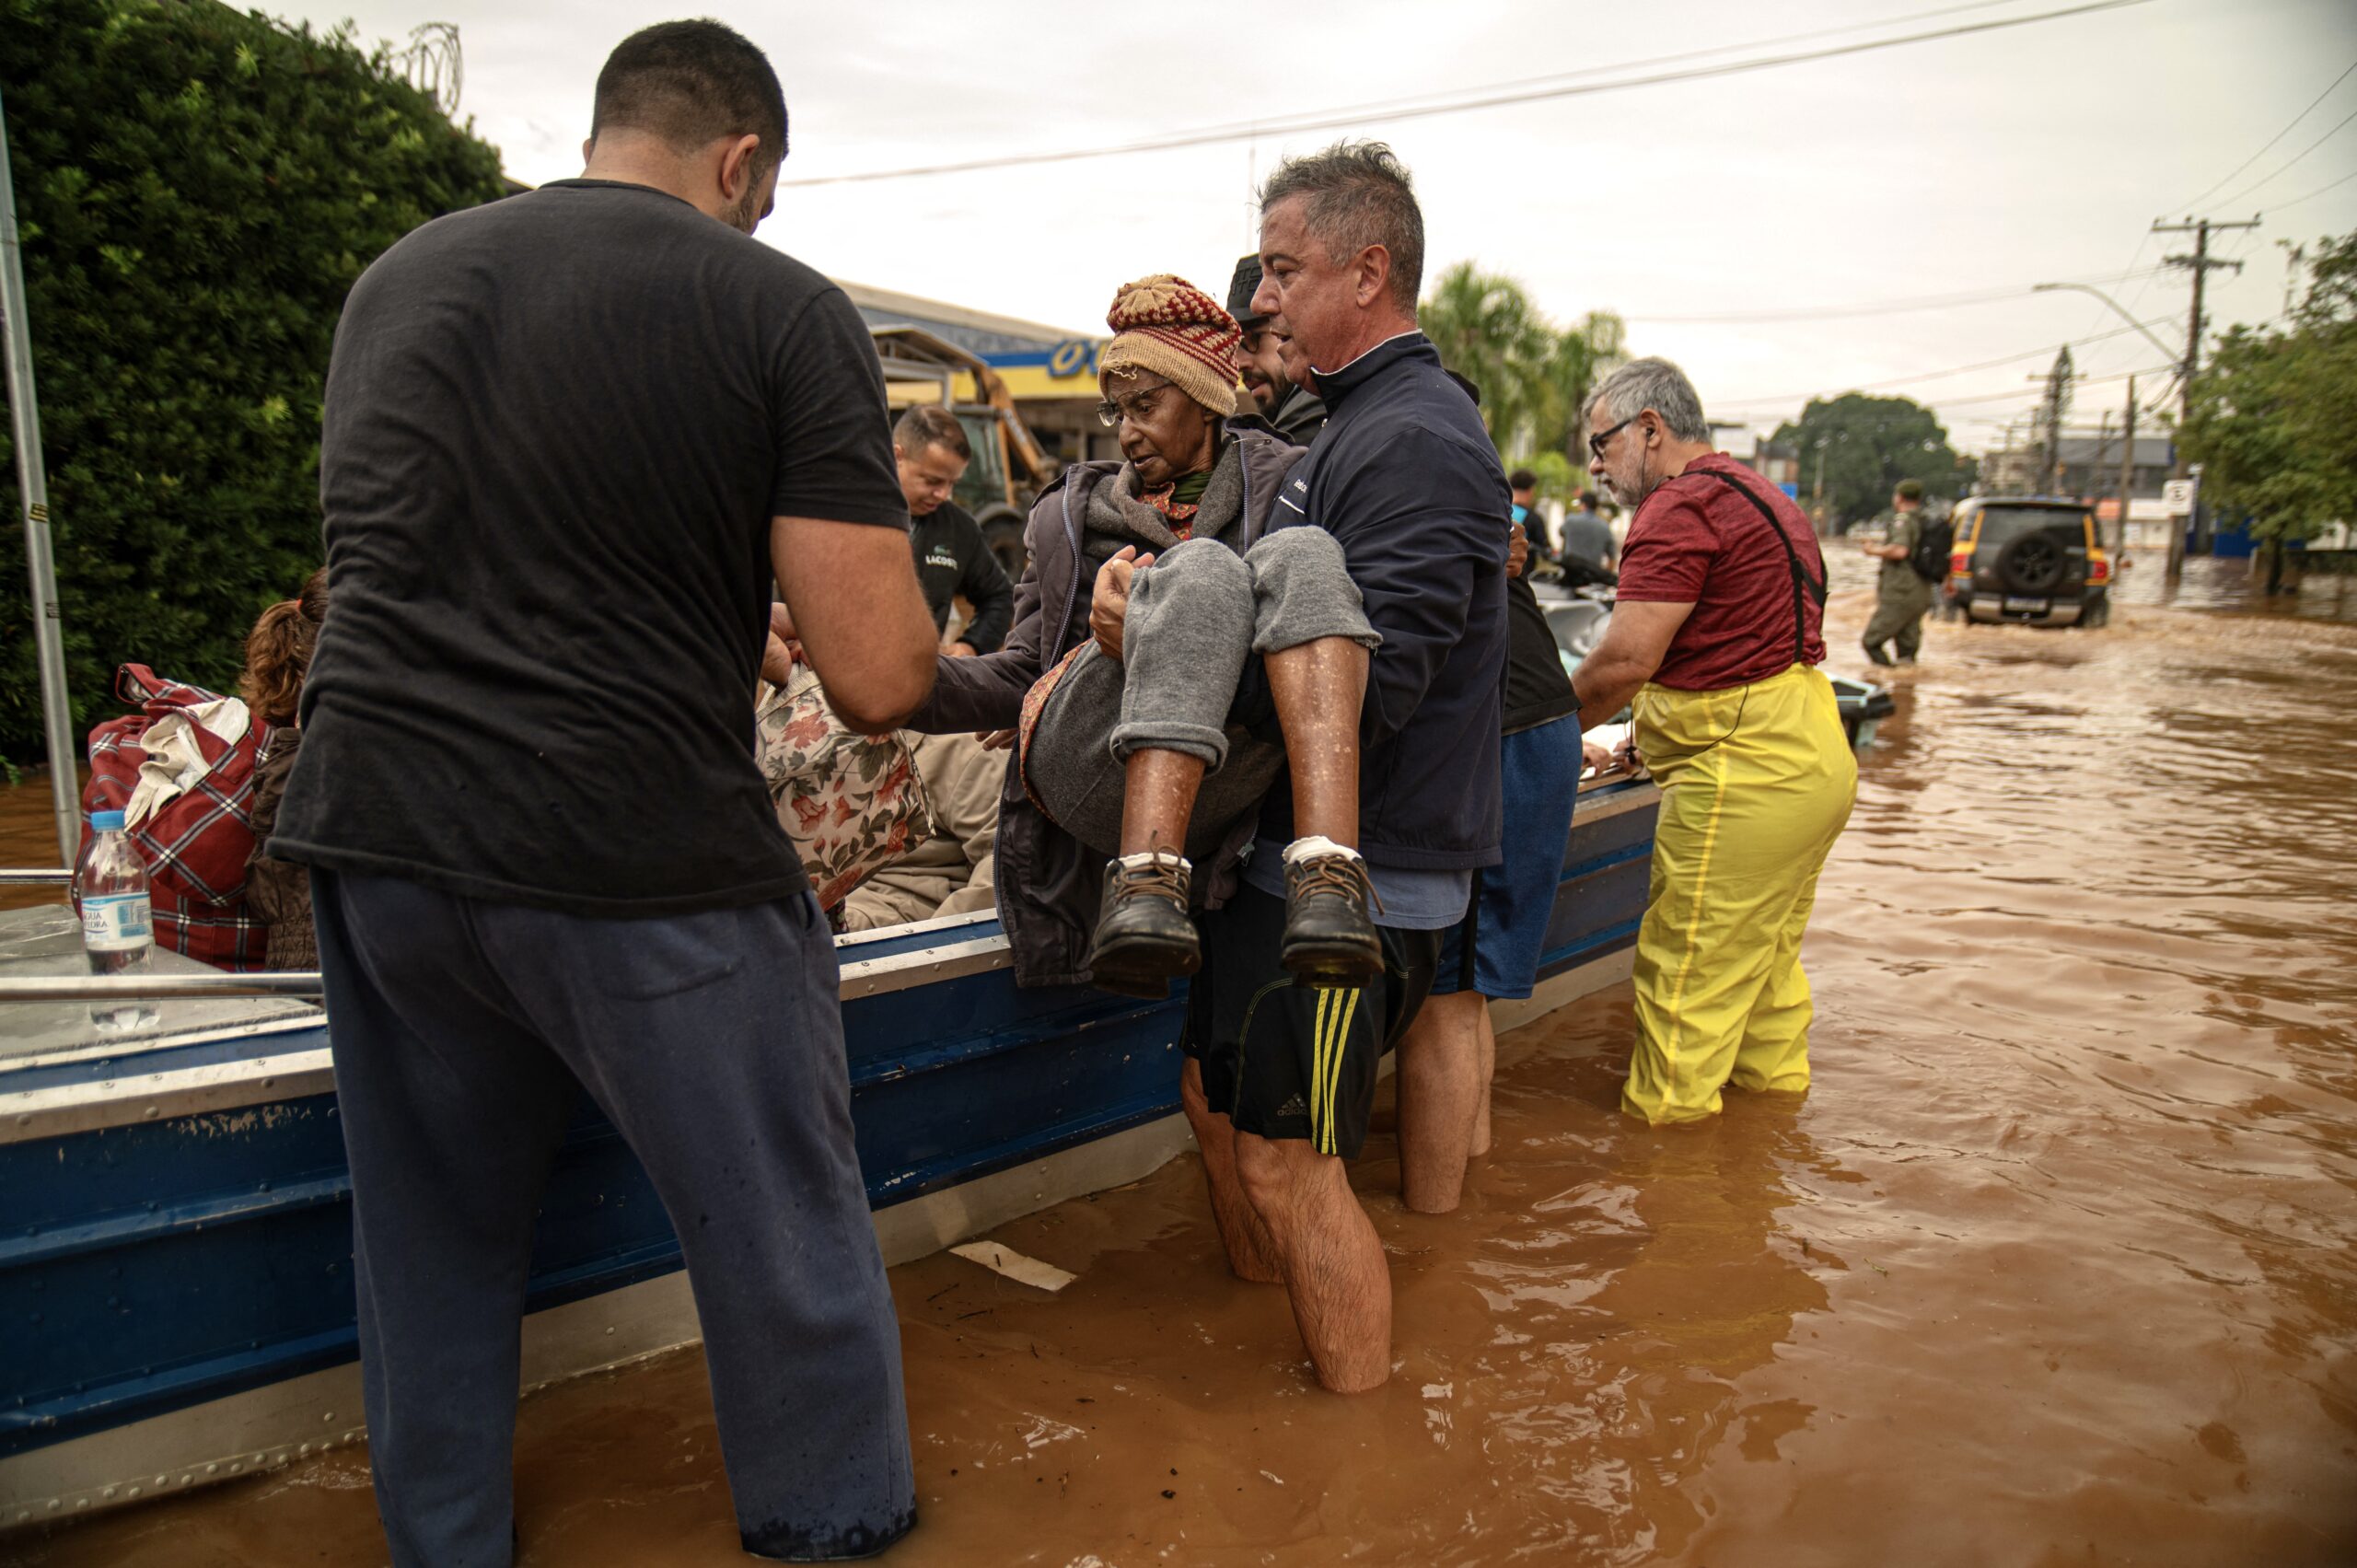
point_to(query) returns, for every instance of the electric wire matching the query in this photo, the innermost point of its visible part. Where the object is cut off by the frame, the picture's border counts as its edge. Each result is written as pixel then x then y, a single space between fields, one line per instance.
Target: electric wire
pixel 1328 119
pixel 2039 352
pixel 1877 308
pixel 2188 206
pixel 2286 168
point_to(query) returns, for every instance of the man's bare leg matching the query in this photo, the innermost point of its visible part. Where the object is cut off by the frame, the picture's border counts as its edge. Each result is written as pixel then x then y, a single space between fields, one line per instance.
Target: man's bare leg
pixel 1329 1254
pixel 1480 1145
pixel 1157 797
pixel 1440 1090
pixel 1319 688
pixel 1250 1254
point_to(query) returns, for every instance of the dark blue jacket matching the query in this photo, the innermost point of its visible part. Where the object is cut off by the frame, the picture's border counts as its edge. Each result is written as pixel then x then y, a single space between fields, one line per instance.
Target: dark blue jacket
pixel 1405 477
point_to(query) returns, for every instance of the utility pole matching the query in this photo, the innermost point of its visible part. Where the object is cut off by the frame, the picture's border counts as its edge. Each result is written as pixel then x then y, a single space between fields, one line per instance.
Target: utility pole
pixel 2127 476
pixel 2096 475
pixel 2200 263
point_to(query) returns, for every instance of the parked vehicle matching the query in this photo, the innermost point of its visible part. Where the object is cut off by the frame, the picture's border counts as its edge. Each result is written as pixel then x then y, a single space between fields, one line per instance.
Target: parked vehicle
pixel 2032 560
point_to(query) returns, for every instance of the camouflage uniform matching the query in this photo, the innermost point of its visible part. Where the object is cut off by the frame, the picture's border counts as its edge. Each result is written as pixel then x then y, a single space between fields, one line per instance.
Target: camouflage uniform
pixel 1901 598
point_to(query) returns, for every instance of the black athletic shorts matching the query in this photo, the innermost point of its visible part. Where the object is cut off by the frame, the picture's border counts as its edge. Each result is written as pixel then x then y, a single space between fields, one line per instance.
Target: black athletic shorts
pixel 1286 1060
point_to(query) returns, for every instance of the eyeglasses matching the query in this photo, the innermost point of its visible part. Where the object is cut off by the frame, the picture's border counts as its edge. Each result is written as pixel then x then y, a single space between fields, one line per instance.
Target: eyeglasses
pixel 1138 405
pixel 1597 442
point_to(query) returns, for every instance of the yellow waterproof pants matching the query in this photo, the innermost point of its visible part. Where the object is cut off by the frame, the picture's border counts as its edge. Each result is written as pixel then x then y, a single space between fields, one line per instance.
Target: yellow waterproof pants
pixel 1757 782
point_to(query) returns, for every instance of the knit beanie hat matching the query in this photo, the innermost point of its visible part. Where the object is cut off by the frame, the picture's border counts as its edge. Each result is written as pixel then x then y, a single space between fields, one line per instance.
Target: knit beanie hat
pixel 1168 326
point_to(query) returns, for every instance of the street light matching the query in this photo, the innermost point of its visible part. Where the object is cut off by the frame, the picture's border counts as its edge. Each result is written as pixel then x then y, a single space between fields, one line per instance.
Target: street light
pixel 2166 353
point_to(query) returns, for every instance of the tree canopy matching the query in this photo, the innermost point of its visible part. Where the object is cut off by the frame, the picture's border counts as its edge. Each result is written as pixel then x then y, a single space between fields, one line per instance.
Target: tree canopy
pixel 1533 374
pixel 2273 417
pixel 1870 444
pixel 197 190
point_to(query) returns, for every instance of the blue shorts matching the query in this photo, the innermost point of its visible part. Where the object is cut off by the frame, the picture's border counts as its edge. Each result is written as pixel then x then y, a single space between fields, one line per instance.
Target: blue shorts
pixel 1505 930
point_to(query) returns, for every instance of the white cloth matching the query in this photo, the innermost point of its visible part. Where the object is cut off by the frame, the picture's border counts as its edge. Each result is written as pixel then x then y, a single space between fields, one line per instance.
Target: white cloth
pixel 174 762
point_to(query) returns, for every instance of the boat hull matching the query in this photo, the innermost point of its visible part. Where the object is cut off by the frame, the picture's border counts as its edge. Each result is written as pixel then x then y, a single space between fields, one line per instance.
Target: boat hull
pixel 175 1222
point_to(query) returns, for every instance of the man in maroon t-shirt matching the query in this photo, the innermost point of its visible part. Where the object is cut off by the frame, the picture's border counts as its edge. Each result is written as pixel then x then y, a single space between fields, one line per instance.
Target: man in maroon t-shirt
pixel 1716 635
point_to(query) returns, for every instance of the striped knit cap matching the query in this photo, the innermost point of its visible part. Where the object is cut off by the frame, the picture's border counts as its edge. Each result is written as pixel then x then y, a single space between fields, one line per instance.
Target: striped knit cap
pixel 1168 326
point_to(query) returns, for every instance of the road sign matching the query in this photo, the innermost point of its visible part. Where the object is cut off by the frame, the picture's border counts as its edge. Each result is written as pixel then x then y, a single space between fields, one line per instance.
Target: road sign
pixel 2177 497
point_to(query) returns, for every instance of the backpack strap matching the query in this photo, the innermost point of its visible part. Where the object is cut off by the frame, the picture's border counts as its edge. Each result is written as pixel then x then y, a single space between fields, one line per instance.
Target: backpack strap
pixel 1803 589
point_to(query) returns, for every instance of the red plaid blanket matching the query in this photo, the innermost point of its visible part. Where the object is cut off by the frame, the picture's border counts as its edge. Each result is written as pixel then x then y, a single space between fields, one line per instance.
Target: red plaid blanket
pixel 197 844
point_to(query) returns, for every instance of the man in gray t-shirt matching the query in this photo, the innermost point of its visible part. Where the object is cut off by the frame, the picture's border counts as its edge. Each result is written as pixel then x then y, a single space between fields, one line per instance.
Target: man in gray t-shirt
pixel 1587 538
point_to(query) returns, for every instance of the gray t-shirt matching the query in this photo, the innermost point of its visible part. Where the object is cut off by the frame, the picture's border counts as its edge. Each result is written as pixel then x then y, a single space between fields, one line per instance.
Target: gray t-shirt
pixel 557 429
pixel 1586 538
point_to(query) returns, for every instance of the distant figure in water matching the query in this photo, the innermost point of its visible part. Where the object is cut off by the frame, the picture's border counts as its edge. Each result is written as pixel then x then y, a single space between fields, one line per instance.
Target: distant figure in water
pixel 1717 635
pixel 568 433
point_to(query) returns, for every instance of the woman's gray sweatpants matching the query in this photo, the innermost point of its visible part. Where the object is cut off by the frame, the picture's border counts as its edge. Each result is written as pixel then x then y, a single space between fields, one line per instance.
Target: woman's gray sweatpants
pixel 1188 681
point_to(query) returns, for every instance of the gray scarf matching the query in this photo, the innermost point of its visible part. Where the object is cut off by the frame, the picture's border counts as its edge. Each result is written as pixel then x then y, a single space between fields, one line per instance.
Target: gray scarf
pixel 1116 516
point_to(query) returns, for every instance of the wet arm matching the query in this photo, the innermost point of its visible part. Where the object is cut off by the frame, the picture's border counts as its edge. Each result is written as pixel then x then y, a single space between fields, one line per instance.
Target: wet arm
pixel 860 616
pixel 1635 641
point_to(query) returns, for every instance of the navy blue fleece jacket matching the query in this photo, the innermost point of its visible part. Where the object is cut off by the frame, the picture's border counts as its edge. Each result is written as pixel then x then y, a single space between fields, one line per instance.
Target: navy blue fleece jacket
pixel 1405 477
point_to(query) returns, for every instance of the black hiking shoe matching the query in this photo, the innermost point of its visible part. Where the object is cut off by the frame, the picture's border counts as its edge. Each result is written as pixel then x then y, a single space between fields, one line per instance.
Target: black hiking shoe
pixel 1874 653
pixel 1144 937
pixel 1329 937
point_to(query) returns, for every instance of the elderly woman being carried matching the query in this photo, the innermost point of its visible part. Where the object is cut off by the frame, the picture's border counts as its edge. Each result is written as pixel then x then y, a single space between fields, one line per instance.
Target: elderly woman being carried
pixel 1178 652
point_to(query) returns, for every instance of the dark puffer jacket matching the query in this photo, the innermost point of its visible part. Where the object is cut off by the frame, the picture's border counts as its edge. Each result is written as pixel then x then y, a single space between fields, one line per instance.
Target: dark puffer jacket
pixel 1049 883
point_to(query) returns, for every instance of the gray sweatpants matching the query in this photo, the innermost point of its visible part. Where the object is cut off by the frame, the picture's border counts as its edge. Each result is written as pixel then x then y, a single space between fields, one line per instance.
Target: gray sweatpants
pixel 1188 680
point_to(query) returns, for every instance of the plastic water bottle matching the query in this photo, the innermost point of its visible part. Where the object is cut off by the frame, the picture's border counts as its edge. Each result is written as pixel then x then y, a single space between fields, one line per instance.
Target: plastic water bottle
pixel 118 922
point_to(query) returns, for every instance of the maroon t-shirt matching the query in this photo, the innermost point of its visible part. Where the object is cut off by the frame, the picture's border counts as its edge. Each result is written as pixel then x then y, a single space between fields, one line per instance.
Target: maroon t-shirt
pixel 1696 540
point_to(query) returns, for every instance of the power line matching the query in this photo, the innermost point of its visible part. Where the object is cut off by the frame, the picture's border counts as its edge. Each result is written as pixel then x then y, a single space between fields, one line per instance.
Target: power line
pixel 1393 106
pixel 1331 121
pixel 2286 168
pixel 2279 206
pixel 1953 370
pixel 1877 307
pixel 2188 206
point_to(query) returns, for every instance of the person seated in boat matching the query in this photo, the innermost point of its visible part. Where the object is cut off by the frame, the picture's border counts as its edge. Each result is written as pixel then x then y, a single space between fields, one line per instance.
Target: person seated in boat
pixel 1174 647
pixel 278 656
pixel 953 869
pixel 190 771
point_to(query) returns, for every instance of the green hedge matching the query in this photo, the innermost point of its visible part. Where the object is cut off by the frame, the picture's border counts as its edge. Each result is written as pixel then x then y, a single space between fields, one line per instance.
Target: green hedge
pixel 197 188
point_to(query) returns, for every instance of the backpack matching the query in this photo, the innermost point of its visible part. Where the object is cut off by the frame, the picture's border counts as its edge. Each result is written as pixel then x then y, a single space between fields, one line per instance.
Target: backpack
pixel 1934 543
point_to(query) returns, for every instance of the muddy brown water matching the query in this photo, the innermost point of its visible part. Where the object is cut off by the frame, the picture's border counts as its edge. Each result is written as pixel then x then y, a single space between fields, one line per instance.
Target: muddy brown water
pixel 2054 1265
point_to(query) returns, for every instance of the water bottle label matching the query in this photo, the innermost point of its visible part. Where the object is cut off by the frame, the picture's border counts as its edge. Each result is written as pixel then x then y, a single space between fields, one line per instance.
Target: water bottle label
pixel 117 923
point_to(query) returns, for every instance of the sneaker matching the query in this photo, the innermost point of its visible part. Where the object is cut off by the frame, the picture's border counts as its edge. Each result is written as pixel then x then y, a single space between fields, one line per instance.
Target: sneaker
pixel 1874 653
pixel 1144 938
pixel 1329 937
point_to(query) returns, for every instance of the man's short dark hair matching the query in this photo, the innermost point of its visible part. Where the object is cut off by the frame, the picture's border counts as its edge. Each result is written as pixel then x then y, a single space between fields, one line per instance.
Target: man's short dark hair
pixel 689 83
pixel 1587 500
pixel 1522 479
pixel 1910 490
pixel 929 425
pixel 1359 194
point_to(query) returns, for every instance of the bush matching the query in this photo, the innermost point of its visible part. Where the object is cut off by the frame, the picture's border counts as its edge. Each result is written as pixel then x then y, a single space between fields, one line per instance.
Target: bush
pixel 197 190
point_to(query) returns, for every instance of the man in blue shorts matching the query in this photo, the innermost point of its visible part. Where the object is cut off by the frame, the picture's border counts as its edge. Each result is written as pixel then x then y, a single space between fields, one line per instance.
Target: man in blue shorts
pixel 1448 1054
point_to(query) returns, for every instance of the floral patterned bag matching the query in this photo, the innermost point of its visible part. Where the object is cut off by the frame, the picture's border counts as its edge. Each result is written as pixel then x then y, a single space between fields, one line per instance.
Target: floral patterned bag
pixel 853 803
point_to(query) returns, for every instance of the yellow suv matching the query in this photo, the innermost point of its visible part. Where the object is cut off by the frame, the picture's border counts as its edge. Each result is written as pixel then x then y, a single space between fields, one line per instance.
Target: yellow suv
pixel 2030 560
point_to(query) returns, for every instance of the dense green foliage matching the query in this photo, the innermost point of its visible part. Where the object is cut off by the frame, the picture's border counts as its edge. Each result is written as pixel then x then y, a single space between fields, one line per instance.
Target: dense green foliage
pixel 197 188
pixel 2275 413
pixel 1870 444
pixel 1533 374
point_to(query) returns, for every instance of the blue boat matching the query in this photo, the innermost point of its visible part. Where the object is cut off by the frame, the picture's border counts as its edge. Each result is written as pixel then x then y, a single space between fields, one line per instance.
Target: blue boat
pixel 175 1210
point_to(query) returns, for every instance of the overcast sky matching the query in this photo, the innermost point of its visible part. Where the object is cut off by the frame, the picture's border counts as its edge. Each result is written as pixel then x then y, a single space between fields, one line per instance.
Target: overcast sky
pixel 1961 166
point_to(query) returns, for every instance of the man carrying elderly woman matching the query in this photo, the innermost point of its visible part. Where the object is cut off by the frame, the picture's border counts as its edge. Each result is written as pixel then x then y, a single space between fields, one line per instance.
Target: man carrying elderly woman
pixel 1170 655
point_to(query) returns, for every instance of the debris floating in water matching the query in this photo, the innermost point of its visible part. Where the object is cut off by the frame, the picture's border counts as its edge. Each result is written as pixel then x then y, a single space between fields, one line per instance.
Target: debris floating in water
pixel 1015 1265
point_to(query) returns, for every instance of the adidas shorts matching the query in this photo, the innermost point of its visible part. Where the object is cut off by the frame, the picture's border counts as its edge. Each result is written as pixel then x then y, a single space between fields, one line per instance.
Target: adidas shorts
pixel 1286 1060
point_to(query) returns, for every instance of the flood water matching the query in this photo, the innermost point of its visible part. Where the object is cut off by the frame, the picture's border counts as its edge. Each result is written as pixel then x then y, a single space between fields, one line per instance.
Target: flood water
pixel 2054 1264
